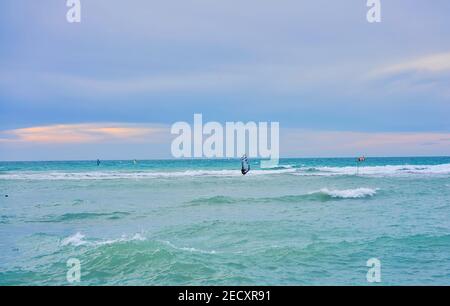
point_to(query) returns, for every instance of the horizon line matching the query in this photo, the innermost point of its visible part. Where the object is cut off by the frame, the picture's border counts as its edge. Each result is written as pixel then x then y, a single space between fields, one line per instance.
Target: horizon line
pixel 218 159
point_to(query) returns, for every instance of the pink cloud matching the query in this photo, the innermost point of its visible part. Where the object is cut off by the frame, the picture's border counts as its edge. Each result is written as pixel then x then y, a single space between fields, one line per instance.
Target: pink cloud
pixel 82 133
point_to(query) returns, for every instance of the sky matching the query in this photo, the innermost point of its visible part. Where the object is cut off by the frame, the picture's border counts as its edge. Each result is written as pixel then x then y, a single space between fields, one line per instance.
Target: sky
pixel 111 86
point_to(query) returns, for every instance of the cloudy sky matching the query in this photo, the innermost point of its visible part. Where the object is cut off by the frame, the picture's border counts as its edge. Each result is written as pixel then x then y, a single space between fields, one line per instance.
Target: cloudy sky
pixel 112 85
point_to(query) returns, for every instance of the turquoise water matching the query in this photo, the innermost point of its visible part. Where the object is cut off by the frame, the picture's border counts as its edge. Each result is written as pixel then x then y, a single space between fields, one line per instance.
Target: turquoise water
pixel 309 221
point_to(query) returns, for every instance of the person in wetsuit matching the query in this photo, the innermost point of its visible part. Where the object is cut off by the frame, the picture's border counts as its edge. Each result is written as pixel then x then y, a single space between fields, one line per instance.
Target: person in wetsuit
pixel 243 170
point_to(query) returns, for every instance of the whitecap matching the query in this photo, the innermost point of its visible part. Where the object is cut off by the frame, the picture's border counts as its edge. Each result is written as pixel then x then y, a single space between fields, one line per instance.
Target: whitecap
pixel 114 175
pixel 188 249
pixel 78 239
pixel 389 170
pixel 75 240
pixel 349 193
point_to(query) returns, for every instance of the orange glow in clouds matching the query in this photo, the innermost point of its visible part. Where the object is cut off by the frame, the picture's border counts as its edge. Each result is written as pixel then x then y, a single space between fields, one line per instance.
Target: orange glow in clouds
pixel 79 133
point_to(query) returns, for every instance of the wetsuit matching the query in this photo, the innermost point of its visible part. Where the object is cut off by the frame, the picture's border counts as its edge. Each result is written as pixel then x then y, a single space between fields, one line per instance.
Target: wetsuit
pixel 243 171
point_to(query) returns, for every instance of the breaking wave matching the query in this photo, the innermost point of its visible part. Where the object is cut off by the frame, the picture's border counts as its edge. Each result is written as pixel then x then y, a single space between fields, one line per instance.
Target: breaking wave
pixel 114 175
pixel 78 239
pixel 323 194
pixel 188 249
pixel 349 193
pixel 390 170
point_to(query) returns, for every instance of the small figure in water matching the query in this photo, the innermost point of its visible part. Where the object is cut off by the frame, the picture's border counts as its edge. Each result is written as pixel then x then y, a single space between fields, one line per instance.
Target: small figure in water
pixel 6 196
pixel 245 166
pixel 358 161
pixel 98 162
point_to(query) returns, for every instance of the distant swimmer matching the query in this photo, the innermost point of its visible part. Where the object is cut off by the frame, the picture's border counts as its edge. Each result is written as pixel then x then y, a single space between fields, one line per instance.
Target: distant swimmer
pixel 98 162
pixel 245 166
pixel 6 195
pixel 361 159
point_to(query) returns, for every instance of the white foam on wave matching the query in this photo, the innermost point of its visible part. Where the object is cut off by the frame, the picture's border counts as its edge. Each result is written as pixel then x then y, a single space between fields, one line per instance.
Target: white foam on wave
pixel 188 249
pixel 75 240
pixel 78 239
pixel 349 193
pixel 114 175
pixel 390 170
pixel 124 238
pixel 280 167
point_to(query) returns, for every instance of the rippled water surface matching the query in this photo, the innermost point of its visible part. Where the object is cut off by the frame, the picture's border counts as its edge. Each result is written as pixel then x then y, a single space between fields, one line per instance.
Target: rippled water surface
pixel 309 221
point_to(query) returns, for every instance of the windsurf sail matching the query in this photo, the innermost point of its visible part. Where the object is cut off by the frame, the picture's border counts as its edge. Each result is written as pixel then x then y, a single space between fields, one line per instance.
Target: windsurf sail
pixel 245 166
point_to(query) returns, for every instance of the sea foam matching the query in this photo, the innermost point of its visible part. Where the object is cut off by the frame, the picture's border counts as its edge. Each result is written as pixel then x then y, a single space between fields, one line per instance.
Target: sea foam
pixel 78 239
pixel 349 193
pixel 323 194
pixel 188 249
pixel 112 175
pixel 389 170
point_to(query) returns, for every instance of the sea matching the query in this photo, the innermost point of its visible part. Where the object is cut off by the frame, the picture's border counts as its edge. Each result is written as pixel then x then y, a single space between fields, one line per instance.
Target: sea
pixel 315 221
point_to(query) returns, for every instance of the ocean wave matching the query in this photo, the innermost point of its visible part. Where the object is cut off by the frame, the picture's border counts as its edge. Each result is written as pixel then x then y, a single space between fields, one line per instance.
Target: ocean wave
pixel 326 194
pixel 157 263
pixel 137 259
pixel 68 217
pixel 281 167
pixel 5 219
pixel 410 244
pixel 389 170
pixel 78 239
pixel 75 240
pixel 188 249
pixel 349 193
pixel 323 194
pixel 215 200
pixel 114 175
